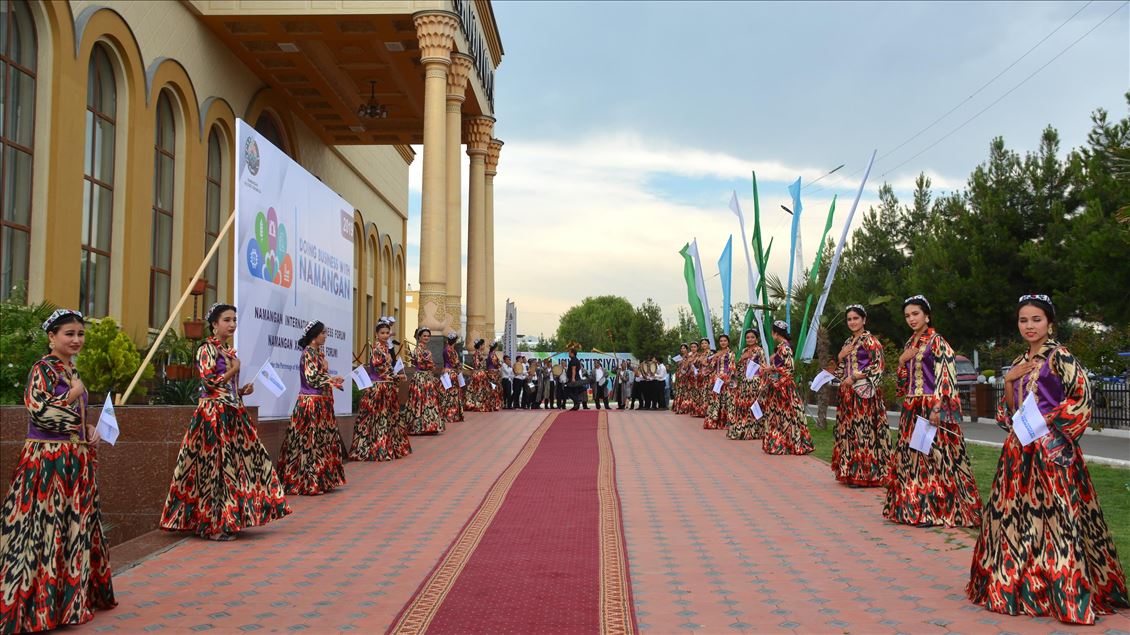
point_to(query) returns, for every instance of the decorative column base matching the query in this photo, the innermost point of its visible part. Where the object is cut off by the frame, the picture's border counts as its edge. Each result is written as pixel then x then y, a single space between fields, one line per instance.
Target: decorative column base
pixel 433 308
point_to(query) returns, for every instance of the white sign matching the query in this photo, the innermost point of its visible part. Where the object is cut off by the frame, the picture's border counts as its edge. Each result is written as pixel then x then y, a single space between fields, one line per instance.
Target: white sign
pixel 462 382
pixel 922 439
pixel 717 386
pixel 756 408
pixel 1028 422
pixel 361 376
pixel 107 427
pixel 445 379
pixel 677 359
pixel 820 380
pixel 751 369
pixel 270 378
pixel 294 264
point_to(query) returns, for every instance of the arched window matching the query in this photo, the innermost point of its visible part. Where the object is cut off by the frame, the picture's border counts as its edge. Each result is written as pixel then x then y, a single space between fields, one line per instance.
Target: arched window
pixel 164 171
pixel 268 126
pixel 213 189
pixel 98 184
pixel 17 106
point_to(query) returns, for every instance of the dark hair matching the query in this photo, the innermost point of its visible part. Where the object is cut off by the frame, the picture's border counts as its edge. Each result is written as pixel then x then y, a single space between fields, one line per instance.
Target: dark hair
pixel 686 346
pixel 725 336
pixel 754 331
pixel 421 330
pixel 69 318
pixel 1046 307
pixel 783 332
pixel 479 342
pixel 859 310
pixel 214 315
pixel 311 334
pixel 920 302
pixel 382 325
pixel 704 339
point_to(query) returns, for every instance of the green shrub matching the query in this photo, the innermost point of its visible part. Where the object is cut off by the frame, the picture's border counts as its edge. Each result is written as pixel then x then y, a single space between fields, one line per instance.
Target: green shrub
pixel 177 392
pixel 22 343
pixel 109 360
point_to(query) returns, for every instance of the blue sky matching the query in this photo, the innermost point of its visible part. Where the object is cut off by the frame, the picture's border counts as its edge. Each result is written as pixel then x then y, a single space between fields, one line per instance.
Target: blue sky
pixel 627 124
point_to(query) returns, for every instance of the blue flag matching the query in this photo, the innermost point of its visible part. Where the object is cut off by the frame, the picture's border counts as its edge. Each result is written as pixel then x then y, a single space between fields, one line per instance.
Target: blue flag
pixel 724 266
pixel 796 252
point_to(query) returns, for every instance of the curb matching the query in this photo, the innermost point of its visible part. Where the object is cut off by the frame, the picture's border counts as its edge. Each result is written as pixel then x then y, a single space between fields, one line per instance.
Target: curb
pixel 1090 459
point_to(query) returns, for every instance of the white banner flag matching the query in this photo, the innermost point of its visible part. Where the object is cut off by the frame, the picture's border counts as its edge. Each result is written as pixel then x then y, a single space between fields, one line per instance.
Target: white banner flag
pixel 700 286
pixel 810 341
pixel 751 276
pixel 270 378
pixel 361 378
pixel 108 422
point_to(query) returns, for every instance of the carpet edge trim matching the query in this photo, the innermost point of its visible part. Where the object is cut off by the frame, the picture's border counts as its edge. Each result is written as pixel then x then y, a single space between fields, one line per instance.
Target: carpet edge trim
pixel 617 616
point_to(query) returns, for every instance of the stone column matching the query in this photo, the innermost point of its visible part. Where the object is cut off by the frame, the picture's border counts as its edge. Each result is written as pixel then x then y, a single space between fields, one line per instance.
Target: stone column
pixel 479 131
pixel 461 66
pixel 491 170
pixel 436 33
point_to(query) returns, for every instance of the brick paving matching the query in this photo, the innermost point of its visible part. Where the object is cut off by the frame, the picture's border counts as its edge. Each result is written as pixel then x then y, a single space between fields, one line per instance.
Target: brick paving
pixel 721 539
pixel 725 539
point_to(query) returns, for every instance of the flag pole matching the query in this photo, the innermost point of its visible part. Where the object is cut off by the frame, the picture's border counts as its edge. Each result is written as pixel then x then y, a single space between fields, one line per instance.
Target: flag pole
pixel 175 314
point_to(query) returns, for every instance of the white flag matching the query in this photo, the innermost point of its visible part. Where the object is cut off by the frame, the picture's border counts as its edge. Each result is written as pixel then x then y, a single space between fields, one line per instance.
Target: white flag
pixel 751 276
pixel 399 367
pixel 700 286
pixel 717 386
pixel 462 382
pixel 751 369
pixel 445 379
pixel 108 423
pixel 922 439
pixel 820 380
pixel 756 409
pixel 1028 422
pixel 361 378
pixel 270 378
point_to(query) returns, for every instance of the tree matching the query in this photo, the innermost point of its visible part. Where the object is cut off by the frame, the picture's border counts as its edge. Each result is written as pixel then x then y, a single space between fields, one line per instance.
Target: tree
pixel 589 322
pixel 647 337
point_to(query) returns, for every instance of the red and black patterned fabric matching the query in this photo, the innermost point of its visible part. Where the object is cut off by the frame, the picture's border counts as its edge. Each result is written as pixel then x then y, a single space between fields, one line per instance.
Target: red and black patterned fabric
pixel 786 427
pixel 1045 548
pixel 720 405
pixel 936 488
pixel 312 455
pixel 377 433
pixel 743 424
pixel 55 563
pixel 480 396
pixel 451 399
pixel 422 412
pixel 863 442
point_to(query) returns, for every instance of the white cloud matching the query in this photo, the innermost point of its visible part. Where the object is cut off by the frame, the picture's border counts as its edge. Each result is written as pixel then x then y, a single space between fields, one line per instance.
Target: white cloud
pixel 573 220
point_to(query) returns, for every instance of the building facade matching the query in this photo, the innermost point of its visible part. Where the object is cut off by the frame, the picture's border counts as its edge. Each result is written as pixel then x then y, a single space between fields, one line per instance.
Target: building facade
pixel 118 126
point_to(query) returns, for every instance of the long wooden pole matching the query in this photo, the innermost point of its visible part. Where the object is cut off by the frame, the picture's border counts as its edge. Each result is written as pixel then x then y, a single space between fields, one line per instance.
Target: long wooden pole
pixel 175 314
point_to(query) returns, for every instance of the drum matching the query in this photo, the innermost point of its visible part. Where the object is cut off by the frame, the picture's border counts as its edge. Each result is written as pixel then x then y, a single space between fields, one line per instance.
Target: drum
pixel 557 370
pixel 519 368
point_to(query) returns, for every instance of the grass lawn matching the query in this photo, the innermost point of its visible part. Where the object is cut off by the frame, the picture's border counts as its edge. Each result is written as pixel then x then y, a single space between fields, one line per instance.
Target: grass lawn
pixel 1111 483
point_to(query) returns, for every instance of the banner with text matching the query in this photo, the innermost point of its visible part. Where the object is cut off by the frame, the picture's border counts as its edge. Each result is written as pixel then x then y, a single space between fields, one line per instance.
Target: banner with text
pixel 294 255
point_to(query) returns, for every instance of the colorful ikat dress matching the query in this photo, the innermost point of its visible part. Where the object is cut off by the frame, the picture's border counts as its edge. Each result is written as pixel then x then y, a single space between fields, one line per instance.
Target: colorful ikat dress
pixel 721 404
pixel 312 455
pixel 479 394
pixel 1045 548
pixel 422 412
pixel 494 379
pixel 451 401
pixel 863 444
pixel 378 435
pixel 55 563
pixel 743 424
pixel 935 488
pixel 786 427
pixel 224 480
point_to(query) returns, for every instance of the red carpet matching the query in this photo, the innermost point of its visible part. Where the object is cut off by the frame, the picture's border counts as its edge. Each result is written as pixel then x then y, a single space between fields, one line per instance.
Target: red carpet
pixel 544 553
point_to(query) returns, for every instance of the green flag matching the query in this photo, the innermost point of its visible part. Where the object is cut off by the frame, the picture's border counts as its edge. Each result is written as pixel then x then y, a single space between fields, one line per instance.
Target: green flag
pixel 746 325
pixel 692 290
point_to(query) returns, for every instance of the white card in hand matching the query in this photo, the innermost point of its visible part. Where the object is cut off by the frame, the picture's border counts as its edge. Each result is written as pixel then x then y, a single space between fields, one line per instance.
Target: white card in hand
pixel 922 439
pixel 718 386
pixel 756 408
pixel 677 359
pixel 445 379
pixel 821 379
pixel 361 378
pixel 751 369
pixel 399 367
pixel 462 382
pixel 1028 422
pixel 108 422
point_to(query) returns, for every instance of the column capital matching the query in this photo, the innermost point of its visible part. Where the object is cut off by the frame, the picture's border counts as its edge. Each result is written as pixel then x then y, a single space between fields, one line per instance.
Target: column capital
pixel 493 151
pixel 479 131
pixel 457 76
pixel 436 32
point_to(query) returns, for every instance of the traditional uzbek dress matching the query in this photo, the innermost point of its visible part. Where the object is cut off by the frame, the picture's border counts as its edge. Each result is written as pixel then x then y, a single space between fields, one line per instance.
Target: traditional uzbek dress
pixel 494 382
pixel 479 397
pixel 701 385
pixel 936 488
pixel 422 412
pixel 54 563
pixel 786 427
pixel 863 443
pixel 450 401
pixel 377 435
pixel 743 424
pixel 311 458
pixel 721 404
pixel 224 480
pixel 1045 548
pixel 680 404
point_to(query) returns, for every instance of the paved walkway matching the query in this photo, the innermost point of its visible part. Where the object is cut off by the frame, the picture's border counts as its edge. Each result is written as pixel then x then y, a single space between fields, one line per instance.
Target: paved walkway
pixel 721 539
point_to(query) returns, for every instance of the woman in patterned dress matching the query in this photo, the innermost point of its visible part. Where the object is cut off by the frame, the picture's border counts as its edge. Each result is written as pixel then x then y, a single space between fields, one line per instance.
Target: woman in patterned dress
pixel 721 405
pixel 678 404
pixel 1045 548
pixel 422 412
pixel 377 435
pixel 224 481
pixel 935 488
pixel 55 563
pixel 451 401
pixel 786 426
pixel 478 388
pixel 700 398
pixel 494 379
pixel 863 443
pixel 312 456
pixel 744 425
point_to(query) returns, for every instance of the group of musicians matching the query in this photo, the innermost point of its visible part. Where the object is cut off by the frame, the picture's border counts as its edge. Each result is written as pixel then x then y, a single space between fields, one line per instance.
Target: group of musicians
pixel 530 382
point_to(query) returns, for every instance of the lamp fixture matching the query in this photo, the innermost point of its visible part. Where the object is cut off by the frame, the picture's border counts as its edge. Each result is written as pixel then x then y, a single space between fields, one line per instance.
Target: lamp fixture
pixel 372 110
